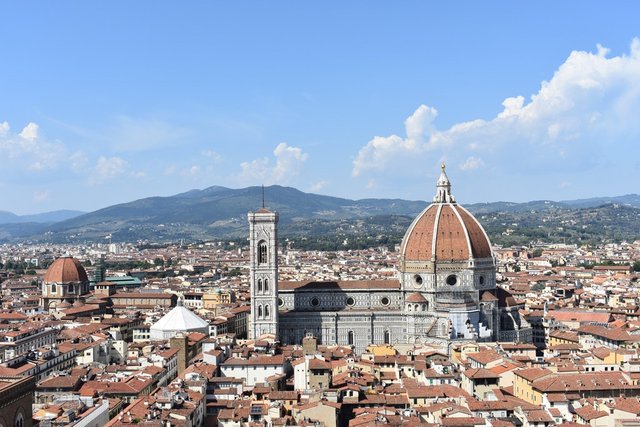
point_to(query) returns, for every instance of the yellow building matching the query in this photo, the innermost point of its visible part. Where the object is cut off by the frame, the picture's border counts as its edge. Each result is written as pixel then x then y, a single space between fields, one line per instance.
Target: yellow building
pixel 382 350
pixel 523 384
pixel 212 299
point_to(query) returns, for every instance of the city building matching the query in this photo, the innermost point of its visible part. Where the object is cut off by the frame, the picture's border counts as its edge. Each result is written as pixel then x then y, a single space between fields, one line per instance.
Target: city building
pixel 64 284
pixel 180 320
pixel 445 288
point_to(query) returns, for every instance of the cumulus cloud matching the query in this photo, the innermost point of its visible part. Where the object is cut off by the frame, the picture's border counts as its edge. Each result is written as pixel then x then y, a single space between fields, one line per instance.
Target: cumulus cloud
pixel 318 185
pixel 212 155
pixel 108 168
pixel 29 149
pixel 78 161
pixel 381 150
pixel 472 163
pixel 192 171
pixel 589 108
pixel 288 163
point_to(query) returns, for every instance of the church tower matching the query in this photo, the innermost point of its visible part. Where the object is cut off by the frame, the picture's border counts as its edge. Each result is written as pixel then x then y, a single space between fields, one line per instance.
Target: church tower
pixel 263 275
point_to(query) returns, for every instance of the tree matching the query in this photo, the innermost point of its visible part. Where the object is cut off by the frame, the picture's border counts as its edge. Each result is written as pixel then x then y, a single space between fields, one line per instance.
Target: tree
pixel 636 266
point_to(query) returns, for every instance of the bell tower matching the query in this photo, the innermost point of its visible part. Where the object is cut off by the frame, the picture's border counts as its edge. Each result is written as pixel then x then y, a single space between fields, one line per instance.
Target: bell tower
pixel 263 274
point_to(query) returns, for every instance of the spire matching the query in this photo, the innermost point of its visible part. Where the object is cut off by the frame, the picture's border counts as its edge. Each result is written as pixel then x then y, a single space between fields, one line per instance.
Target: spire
pixel 443 188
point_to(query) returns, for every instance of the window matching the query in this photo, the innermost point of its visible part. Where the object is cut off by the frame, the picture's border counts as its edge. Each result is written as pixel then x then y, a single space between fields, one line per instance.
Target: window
pixel 350 338
pixel 452 280
pixel 262 252
pixel 350 301
pixel 266 285
pixel 53 288
pixel 19 420
pixel 70 289
pixel 481 280
pixel 266 311
pixel 385 301
pixel 259 285
pixel 315 302
pixel 417 279
pixel 280 302
pixel 259 312
pixel 387 337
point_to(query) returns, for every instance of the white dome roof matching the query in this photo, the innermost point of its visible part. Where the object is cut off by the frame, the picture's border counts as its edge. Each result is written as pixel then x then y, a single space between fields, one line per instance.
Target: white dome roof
pixel 179 319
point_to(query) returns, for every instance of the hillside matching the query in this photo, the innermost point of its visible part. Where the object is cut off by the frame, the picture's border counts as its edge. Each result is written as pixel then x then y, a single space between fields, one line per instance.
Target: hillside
pixel 322 221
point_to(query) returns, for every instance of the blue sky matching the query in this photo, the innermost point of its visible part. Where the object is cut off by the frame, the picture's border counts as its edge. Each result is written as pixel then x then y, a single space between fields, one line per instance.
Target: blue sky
pixel 103 103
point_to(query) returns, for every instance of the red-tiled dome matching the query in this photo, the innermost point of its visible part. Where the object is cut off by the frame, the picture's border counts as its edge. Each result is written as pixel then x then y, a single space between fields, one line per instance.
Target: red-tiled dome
pixel 445 231
pixel 66 270
pixel 416 297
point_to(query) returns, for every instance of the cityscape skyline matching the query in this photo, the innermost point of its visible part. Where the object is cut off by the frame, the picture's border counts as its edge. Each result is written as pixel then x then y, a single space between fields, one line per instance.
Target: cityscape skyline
pixel 338 100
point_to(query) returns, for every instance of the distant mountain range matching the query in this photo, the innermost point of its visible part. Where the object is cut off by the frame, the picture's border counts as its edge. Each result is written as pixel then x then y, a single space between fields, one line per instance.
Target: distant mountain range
pixel 46 217
pixel 219 212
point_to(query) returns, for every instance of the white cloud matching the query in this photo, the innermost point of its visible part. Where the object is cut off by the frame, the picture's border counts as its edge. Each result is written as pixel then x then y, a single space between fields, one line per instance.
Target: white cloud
pixel 586 111
pixel 318 185
pixel 472 163
pixel 191 171
pixel 108 168
pixel 30 132
pixel 28 149
pixel 381 150
pixel 79 161
pixel 288 163
pixel 213 155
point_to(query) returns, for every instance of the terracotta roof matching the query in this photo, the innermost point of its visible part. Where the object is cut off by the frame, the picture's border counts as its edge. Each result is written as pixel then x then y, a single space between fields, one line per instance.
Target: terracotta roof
pixel 480 373
pixel 416 297
pixel 66 270
pixel 488 296
pixel 445 231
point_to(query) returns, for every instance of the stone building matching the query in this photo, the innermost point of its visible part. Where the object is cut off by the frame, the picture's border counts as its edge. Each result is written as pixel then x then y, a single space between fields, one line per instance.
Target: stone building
pixel 64 284
pixel 445 288
pixel 16 398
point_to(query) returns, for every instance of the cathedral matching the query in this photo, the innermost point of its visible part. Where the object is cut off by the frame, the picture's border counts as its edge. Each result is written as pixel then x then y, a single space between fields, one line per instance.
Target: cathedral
pixel 445 288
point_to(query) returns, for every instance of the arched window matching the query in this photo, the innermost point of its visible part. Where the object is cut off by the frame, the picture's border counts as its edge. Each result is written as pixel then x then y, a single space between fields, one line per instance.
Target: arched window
pixel 19 420
pixel 387 337
pixel 70 288
pixel 350 338
pixel 259 312
pixel 266 285
pixel 53 288
pixel 415 307
pixel 259 285
pixel 266 311
pixel 409 307
pixel 424 307
pixel 262 252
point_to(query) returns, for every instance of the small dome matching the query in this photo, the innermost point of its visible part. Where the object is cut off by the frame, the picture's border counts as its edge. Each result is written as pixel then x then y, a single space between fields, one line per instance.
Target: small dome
pixel 64 304
pixel 66 270
pixel 445 231
pixel 78 303
pixel 179 320
pixel 416 297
